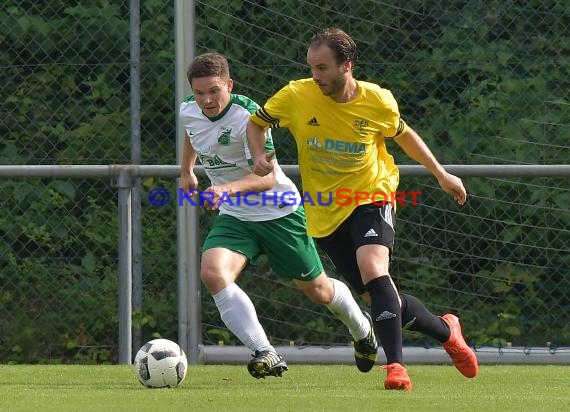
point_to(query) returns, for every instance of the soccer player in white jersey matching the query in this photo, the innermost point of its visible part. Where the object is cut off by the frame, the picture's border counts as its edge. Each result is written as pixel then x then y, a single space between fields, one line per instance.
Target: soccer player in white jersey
pixel 257 215
pixel 340 125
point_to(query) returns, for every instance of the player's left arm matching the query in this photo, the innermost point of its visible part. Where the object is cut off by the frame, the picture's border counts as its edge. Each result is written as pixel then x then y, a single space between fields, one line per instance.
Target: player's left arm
pixel 248 183
pixel 251 182
pixel 416 148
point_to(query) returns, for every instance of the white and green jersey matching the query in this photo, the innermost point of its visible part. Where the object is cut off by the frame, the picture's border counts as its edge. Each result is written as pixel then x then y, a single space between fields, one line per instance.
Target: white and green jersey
pixel 221 145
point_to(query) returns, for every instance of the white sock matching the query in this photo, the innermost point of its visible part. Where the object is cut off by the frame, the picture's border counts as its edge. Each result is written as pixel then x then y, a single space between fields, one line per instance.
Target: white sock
pixel 238 313
pixel 345 308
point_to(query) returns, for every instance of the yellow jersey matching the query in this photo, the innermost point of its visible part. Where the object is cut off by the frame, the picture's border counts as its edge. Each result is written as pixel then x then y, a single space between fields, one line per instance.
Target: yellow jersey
pixel 341 147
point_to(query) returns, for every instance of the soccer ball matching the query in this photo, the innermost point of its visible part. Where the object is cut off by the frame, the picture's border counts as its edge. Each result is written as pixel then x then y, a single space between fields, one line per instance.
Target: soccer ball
pixel 160 363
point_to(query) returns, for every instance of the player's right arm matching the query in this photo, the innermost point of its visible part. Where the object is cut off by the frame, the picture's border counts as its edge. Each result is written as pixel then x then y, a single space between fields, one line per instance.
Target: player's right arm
pixel 188 179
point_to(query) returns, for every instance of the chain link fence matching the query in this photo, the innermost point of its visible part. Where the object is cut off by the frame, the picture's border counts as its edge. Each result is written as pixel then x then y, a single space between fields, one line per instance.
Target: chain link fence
pixel 482 82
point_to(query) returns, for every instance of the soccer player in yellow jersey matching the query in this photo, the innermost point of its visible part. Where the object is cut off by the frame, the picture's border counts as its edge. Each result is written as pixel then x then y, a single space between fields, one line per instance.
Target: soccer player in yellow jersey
pixel 340 126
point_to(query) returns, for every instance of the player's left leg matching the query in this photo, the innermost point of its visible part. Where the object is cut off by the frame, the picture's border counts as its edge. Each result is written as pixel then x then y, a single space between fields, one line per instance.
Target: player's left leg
pixel 445 329
pixel 293 255
pixel 226 251
pixel 343 306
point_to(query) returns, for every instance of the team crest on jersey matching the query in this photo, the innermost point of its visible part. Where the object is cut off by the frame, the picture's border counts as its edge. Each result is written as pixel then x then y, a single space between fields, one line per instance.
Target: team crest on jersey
pixel 225 136
pixel 360 125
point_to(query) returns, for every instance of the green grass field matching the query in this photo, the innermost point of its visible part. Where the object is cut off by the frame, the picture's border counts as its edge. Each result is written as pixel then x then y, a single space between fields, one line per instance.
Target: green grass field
pixel 303 388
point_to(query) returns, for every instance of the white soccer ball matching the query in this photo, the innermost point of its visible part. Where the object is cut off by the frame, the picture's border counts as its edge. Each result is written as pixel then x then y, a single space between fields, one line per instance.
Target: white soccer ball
pixel 160 363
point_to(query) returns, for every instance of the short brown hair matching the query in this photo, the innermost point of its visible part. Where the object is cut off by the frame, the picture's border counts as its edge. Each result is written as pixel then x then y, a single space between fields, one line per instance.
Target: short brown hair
pixel 209 64
pixel 342 45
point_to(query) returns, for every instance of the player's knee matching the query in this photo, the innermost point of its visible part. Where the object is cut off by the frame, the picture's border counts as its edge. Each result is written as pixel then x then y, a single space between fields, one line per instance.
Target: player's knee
pixel 212 278
pixel 208 279
pixel 321 293
pixel 373 261
pixel 320 297
pixel 208 272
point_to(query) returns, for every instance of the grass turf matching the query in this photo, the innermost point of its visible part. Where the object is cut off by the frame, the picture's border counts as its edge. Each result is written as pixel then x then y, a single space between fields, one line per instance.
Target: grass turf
pixel 505 388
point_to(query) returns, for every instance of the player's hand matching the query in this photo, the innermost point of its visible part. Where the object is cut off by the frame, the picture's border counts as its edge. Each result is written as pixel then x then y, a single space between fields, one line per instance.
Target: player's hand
pixel 211 197
pixel 189 181
pixel 453 185
pixel 263 165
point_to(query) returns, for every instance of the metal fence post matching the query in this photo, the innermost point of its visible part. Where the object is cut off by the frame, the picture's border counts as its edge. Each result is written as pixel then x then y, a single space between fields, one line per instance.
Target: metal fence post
pixel 136 159
pixel 189 303
pixel 125 185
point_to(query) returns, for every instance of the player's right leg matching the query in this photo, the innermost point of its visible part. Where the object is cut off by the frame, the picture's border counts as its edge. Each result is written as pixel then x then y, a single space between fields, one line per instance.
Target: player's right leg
pixel 386 312
pixel 220 267
pixel 360 248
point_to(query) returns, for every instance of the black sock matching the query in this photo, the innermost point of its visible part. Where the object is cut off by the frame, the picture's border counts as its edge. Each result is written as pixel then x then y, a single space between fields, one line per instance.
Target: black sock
pixel 386 316
pixel 415 316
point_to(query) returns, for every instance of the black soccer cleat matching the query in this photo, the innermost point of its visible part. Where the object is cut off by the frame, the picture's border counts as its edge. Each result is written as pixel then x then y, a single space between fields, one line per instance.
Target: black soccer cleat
pixel 266 363
pixel 365 350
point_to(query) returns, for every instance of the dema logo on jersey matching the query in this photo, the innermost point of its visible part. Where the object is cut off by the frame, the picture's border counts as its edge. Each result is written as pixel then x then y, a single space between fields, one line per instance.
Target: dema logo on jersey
pixel 334 145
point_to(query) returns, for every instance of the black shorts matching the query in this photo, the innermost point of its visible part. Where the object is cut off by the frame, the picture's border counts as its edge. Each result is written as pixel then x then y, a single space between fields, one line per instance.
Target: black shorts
pixel 367 225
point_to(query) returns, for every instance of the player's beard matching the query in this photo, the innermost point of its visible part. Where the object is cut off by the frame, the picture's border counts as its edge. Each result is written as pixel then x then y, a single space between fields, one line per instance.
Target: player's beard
pixel 335 87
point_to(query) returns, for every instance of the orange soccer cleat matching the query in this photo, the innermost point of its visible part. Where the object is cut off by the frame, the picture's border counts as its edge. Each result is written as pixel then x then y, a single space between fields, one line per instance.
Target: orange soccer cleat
pixel 397 377
pixel 462 355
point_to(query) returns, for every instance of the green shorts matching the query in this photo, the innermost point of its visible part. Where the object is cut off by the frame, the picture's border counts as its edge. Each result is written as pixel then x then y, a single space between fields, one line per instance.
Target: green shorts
pixel 291 252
